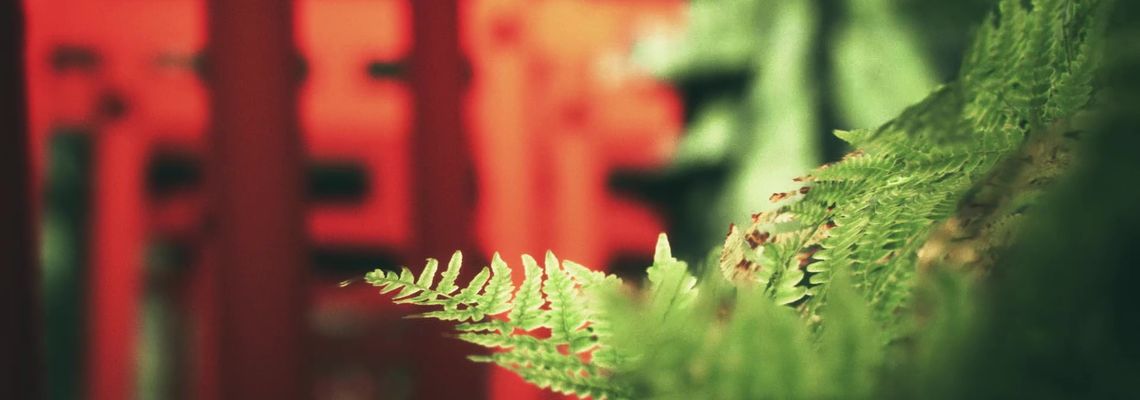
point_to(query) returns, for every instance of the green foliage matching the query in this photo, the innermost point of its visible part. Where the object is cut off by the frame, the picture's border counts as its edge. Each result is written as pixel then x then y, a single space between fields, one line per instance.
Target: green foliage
pixel 556 303
pixel 879 69
pixel 761 80
pixel 874 211
pixel 562 297
pixel 1060 322
pixel 729 344
pixel 749 65
pixel 855 284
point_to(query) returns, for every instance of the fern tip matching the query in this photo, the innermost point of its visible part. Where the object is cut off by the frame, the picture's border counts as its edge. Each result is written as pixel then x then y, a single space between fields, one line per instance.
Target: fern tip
pixel 662 252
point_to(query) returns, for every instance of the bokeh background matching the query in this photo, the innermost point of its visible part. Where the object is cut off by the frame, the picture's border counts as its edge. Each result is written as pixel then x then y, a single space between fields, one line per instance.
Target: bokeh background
pixel 205 175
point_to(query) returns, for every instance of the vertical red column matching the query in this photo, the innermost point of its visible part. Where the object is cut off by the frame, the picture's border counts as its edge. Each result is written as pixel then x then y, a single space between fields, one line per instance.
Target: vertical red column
pixel 116 262
pixel 20 362
pixel 442 179
pixel 442 166
pixel 258 211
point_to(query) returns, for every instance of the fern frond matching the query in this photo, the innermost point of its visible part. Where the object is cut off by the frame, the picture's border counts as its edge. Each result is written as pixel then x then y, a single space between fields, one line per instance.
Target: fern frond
pixel 578 356
pixel 1029 69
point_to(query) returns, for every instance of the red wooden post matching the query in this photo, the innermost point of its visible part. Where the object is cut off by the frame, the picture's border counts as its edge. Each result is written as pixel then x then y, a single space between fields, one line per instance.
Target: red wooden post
pixel 20 361
pixel 442 165
pixel 443 183
pixel 115 285
pixel 257 206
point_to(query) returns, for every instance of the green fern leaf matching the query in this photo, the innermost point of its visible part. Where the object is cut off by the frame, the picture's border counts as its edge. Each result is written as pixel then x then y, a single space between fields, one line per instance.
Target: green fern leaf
pixel 566 318
pixel 526 313
pixel 496 296
pixel 447 282
pixel 670 284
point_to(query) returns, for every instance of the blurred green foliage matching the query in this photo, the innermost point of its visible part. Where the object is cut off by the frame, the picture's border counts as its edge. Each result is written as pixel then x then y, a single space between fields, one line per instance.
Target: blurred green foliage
pixel 1060 319
pixel 765 82
pixel 64 253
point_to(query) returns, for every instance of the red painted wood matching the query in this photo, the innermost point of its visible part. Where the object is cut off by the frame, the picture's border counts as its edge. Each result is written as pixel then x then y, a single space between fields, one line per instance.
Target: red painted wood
pixel 551 111
pixel 555 107
pixel 114 288
pixel 128 40
pixel 20 356
pixel 256 182
pixel 443 187
pixel 203 377
pixel 348 116
pixel 440 147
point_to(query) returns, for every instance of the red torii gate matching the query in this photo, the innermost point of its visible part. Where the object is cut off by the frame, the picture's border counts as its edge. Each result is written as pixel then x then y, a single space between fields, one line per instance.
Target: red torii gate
pixel 540 153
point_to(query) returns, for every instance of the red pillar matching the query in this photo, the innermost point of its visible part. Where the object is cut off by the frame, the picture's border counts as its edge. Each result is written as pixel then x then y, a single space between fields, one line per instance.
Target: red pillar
pixel 443 186
pixel 442 165
pixel 257 208
pixel 115 286
pixel 20 362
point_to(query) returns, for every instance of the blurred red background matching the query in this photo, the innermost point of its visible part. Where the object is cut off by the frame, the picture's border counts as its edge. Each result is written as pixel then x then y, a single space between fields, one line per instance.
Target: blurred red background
pixel 423 126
